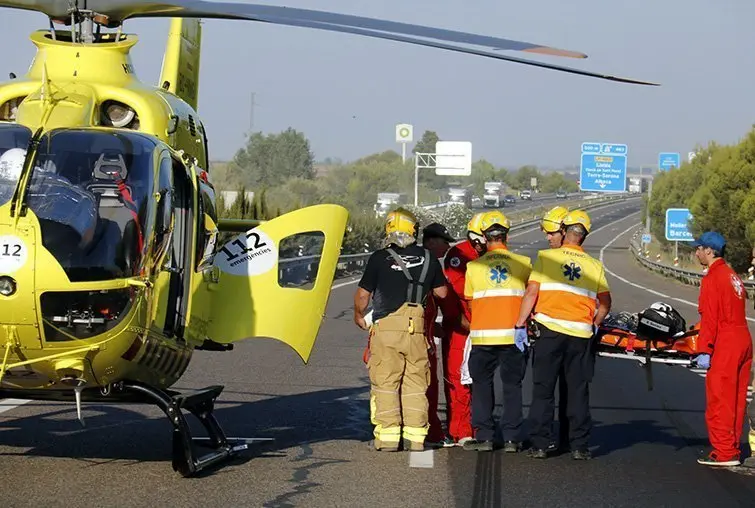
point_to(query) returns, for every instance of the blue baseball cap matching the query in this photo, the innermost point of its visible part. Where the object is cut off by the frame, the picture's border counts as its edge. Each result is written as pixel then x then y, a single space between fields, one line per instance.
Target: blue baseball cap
pixel 711 239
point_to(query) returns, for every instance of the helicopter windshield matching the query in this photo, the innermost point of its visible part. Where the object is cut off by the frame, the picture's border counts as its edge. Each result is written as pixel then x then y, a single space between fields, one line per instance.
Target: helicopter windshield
pixel 90 191
pixel 13 142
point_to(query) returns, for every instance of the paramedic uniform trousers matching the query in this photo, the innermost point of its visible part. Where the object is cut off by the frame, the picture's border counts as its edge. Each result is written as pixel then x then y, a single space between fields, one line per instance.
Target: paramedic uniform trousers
pixel 458 396
pixel 726 391
pixel 483 362
pixel 435 433
pixel 399 377
pixel 550 352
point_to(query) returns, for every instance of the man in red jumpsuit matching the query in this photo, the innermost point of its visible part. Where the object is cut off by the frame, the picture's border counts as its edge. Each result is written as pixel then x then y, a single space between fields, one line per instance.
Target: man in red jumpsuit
pixel 459 396
pixel 436 239
pixel 725 345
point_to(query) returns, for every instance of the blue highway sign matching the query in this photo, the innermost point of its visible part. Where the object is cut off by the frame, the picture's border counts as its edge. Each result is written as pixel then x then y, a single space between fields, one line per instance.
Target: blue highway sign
pixel 677 225
pixel 603 167
pixel 668 160
pixel 646 238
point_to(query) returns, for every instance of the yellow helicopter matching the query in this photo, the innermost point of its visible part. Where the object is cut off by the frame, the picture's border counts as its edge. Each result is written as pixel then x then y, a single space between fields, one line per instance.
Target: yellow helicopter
pixel 110 270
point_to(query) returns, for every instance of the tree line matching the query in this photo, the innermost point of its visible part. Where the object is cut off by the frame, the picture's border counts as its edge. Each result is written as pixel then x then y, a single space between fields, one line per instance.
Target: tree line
pixel 280 168
pixel 718 186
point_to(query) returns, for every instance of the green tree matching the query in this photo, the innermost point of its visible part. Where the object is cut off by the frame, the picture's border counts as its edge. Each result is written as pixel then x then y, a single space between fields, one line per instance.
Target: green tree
pixel 427 142
pixel 522 178
pixel 270 160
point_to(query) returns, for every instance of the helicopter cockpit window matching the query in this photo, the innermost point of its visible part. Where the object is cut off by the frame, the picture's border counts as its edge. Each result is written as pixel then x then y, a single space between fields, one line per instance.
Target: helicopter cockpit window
pixel 90 191
pixel 13 142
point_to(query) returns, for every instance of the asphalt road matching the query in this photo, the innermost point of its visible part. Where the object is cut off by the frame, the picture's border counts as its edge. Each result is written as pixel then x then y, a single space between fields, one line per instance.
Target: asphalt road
pixel 644 443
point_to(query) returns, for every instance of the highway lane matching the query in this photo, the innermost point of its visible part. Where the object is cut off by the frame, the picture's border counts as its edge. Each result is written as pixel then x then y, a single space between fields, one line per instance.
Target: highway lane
pixel 646 443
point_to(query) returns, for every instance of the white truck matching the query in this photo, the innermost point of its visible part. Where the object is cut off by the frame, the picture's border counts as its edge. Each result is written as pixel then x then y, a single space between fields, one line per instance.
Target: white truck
pixel 386 201
pixel 494 194
pixel 460 196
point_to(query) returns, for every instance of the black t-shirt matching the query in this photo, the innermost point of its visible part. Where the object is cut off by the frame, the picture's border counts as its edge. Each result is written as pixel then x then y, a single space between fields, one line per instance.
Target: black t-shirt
pixel 389 286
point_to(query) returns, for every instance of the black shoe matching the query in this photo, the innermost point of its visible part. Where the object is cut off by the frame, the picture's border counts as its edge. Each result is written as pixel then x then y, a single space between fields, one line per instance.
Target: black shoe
pixel 479 446
pixel 512 447
pixel 581 455
pixel 537 453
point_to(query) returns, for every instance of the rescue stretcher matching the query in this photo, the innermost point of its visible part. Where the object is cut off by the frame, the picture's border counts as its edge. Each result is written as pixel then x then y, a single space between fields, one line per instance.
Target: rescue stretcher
pixel 657 334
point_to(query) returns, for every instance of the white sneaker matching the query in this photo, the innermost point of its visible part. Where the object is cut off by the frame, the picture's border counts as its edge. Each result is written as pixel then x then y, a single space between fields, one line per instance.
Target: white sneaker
pixel 464 440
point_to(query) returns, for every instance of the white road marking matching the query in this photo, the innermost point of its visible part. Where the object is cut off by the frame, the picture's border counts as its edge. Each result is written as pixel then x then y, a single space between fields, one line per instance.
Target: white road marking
pixel 424 459
pixel 638 286
pixel 8 404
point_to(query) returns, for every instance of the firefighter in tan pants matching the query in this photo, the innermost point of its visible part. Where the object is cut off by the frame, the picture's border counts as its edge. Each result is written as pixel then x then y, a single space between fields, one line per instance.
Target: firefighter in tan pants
pixel 400 276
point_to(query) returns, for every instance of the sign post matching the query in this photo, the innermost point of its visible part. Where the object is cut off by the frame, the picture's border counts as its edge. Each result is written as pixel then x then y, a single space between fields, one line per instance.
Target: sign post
pixel 677 228
pixel 603 167
pixel 404 135
pixel 451 158
pixel 668 161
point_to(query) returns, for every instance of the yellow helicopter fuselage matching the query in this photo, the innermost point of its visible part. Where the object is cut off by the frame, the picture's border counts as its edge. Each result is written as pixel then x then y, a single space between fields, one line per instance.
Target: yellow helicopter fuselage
pixel 65 326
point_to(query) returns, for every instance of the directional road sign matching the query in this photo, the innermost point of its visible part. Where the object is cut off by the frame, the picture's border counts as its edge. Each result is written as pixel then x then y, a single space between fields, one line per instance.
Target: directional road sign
pixel 677 225
pixel 646 238
pixel 668 160
pixel 603 167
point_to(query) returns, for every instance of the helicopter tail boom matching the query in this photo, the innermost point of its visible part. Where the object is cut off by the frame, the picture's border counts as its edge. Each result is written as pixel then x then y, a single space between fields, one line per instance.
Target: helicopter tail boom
pixel 180 69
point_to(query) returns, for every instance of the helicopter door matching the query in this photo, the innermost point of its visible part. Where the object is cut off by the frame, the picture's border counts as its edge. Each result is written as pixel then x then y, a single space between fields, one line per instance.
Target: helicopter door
pixel 178 211
pixel 274 280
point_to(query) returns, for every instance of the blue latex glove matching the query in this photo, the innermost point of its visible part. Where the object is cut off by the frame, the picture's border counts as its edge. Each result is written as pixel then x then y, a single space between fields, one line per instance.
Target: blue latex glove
pixel 520 338
pixel 703 361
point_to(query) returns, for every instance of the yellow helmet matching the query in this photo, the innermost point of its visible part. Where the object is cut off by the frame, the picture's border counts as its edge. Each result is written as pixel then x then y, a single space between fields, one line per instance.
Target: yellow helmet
pixel 578 217
pixel 474 223
pixel 490 219
pixel 551 221
pixel 401 220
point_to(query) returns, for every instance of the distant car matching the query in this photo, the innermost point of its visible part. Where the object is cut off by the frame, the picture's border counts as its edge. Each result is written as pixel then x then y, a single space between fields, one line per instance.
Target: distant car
pixel 509 198
pixel 561 194
pixel 526 195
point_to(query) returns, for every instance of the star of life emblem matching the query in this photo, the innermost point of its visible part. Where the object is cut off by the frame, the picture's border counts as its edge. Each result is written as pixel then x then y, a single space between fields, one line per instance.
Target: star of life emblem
pixel 739 287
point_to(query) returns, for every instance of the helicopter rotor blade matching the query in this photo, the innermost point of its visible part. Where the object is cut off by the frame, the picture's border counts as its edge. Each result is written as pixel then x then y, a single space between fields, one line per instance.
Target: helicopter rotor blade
pixel 119 10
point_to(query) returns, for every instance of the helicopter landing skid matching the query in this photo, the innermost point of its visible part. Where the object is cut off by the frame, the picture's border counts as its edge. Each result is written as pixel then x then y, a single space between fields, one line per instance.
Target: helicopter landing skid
pixel 201 404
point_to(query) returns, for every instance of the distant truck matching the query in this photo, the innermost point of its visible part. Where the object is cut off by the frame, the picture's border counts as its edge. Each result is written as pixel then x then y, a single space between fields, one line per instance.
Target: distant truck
pixel 494 195
pixel 386 201
pixel 636 185
pixel 460 196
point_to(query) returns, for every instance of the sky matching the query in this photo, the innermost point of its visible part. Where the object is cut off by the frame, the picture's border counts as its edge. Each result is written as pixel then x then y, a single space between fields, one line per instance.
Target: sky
pixel 346 93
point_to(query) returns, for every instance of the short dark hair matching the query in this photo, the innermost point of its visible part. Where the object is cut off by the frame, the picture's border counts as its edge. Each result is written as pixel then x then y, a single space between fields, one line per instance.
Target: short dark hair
pixel 577 229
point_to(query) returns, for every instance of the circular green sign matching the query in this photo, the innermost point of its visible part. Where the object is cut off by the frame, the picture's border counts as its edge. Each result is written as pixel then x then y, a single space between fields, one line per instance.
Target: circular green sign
pixel 403 132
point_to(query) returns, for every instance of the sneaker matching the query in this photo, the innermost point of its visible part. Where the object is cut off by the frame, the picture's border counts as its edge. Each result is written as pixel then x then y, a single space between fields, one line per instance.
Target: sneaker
pixel 713 460
pixel 537 453
pixel 479 446
pixel 446 442
pixel 512 447
pixel 464 440
pixel 581 455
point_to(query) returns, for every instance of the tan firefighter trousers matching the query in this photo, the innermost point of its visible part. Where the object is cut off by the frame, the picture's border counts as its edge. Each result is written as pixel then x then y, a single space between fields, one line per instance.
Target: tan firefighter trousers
pixel 399 376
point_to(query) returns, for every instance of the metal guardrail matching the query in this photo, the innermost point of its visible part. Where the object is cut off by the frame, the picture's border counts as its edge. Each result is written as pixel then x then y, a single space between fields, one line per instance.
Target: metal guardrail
pixel 689 277
pixel 303 268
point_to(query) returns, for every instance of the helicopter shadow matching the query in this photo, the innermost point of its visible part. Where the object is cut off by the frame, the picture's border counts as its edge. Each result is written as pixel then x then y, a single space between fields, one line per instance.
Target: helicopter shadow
pixel 139 433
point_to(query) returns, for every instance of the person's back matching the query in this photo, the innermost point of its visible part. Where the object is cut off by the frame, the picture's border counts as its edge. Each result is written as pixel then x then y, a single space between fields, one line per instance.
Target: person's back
pixel 495 285
pixel 732 294
pixel 570 280
pixel 384 277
